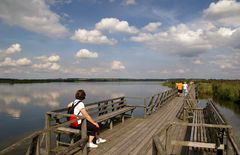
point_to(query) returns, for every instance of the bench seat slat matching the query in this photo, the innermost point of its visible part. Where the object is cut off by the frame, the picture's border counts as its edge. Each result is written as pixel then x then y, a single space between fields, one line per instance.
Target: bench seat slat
pixel 68 130
pixel 113 114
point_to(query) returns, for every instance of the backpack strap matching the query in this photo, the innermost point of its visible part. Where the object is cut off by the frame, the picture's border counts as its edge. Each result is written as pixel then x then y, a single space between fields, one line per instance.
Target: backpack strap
pixel 76 105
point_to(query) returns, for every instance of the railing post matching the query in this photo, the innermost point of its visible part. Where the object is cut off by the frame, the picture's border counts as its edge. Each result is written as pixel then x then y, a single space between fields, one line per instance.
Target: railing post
pixel 34 147
pixel 145 108
pixel 48 134
pixel 184 113
pixel 154 148
pixel 84 135
pixel 225 141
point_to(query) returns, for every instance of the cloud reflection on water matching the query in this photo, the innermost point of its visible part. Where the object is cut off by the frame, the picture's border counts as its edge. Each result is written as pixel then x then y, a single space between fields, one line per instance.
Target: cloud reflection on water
pixel 12 102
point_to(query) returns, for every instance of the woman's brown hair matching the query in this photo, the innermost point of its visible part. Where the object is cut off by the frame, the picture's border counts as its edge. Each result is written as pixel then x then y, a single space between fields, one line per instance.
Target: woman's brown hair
pixel 80 94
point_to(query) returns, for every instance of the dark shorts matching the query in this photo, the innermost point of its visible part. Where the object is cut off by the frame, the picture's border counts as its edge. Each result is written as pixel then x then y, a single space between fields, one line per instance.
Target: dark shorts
pixel 92 130
pixel 180 91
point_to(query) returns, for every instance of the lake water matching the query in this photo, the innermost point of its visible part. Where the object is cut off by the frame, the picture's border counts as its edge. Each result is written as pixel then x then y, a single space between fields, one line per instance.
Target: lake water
pixel 22 106
pixel 231 112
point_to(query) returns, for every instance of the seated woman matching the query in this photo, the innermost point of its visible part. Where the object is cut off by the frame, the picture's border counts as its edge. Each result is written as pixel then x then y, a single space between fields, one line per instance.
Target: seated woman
pixel 92 126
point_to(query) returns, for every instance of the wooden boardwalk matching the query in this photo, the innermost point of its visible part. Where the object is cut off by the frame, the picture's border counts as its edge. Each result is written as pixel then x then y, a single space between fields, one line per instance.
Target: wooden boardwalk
pixel 135 135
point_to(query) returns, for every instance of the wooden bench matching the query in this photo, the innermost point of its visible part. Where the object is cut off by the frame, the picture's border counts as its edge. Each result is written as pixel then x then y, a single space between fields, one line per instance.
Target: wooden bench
pixel 103 111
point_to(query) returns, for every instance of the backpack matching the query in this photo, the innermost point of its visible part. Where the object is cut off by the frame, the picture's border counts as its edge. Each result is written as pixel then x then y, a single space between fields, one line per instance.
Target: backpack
pixel 71 111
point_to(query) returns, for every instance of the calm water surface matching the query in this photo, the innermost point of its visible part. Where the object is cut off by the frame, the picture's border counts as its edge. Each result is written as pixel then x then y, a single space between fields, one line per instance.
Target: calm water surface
pixel 22 106
pixel 232 115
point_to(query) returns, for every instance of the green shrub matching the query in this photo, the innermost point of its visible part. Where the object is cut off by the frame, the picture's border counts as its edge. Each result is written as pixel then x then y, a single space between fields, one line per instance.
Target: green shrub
pixel 227 91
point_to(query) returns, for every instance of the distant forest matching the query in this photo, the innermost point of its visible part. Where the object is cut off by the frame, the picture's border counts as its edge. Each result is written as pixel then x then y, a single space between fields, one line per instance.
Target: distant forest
pixel 12 81
pixel 169 81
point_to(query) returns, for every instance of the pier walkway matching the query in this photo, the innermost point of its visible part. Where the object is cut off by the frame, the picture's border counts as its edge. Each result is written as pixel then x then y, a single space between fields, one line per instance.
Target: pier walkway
pixel 135 135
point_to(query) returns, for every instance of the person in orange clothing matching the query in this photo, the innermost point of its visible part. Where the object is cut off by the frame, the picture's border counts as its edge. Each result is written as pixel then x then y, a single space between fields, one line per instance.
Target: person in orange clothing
pixel 180 88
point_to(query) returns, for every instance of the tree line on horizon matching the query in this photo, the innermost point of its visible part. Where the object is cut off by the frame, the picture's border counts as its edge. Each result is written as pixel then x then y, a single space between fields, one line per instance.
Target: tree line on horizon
pixel 170 82
pixel 12 81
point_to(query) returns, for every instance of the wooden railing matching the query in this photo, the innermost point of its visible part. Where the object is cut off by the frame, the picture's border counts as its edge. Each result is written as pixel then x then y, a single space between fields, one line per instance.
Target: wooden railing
pixel 36 139
pixel 153 103
pixel 166 140
pixel 212 115
pixel 53 120
pixel 206 130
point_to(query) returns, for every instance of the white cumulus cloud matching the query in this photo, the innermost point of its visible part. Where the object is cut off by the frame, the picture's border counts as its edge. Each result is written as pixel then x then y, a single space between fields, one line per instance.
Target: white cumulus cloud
pixel 23 61
pixel 52 58
pixel 115 25
pixel 225 32
pixel 20 62
pixel 84 53
pixel 47 66
pixel 179 39
pixel 8 62
pixel 47 63
pixel 32 15
pixel 224 12
pixel 14 48
pixel 151 27
pixel 117 65
pixel 92 37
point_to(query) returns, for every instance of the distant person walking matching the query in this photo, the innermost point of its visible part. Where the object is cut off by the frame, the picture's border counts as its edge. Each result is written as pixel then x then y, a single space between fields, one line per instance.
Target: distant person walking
pixel 179 88
pixel 185 89
pixel 92 126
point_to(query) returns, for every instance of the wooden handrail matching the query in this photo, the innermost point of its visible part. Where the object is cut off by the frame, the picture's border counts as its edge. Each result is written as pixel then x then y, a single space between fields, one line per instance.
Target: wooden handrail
pixel 36 133
pixel 72 146
pixel 235 147
pixel 152 103
pixel 203 125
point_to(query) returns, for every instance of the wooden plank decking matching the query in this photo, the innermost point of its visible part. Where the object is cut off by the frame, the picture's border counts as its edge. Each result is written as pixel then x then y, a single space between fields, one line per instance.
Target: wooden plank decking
pixel 135 135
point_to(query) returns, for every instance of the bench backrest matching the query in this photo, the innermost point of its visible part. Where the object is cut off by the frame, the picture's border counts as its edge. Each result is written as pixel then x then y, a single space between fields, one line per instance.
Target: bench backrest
pixel 106 106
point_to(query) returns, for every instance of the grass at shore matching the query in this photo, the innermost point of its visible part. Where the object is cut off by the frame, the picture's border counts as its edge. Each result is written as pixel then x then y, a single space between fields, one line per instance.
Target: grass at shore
pixel 220 89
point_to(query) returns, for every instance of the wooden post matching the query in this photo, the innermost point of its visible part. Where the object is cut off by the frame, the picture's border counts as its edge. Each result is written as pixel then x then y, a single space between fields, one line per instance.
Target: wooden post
pixel 145 108
pixel 84 135
pixel 166 139
pixel 113 108
pixel 154 148
pixel 48 134
pixel 225 141
pixel 34 147
pixel 184 114
pixel 111 123
pixel 122 102
pixel 122 118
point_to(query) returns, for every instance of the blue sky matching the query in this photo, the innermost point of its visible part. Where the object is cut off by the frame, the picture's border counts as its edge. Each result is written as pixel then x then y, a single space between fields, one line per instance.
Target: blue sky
pixel 119 39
